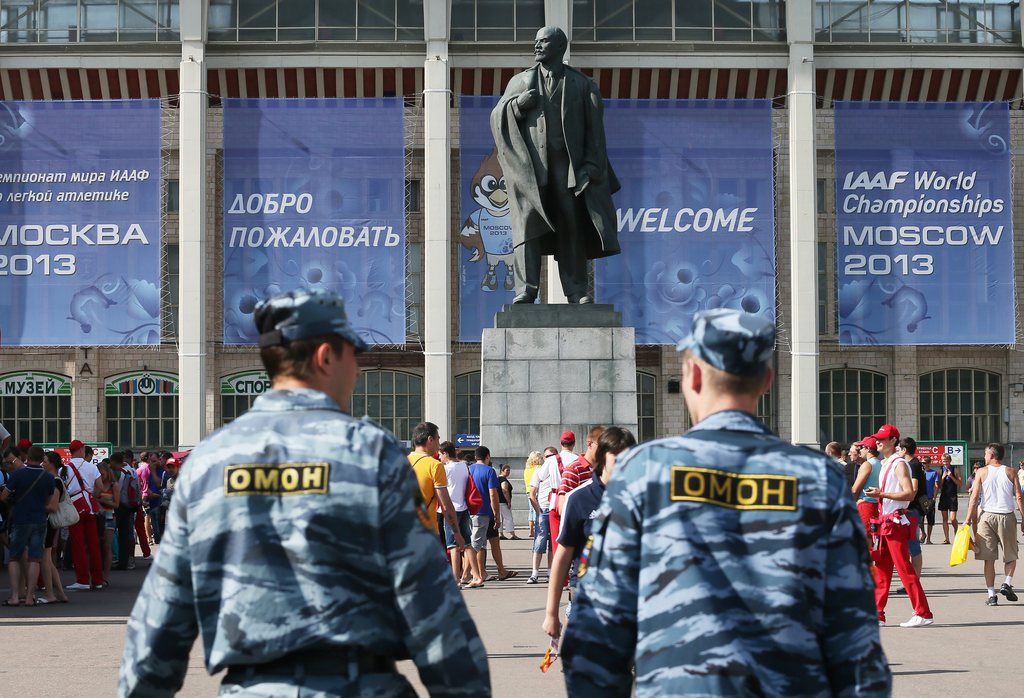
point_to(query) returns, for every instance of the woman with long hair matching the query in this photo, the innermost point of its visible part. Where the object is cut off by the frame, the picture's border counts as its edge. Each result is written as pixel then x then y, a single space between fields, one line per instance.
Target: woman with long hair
pixel 533 461
pixel 109 496
pixel 48 568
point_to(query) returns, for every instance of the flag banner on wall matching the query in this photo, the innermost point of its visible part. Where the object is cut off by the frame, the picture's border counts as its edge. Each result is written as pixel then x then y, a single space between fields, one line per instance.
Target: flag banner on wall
pixel 80 223
pixel 485 223
pixel 314 197
pixel 924 222
pixel 695 215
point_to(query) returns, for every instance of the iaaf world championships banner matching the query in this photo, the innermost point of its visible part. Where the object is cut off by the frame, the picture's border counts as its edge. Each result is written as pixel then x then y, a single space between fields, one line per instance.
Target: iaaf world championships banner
pixel 314 196
pixel 80 223
pixel 925 223
pixel 695 215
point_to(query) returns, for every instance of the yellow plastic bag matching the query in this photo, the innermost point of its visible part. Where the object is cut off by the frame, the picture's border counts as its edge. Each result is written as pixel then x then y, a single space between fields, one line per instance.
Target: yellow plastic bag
pixel 961 544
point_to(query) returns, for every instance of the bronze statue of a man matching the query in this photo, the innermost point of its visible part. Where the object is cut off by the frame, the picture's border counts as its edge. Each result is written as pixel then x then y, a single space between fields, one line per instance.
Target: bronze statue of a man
pixel 549 131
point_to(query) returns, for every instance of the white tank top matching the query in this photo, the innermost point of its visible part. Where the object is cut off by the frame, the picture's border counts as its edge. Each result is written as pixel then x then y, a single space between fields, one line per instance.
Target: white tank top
pixel 998 491
pixel 890 482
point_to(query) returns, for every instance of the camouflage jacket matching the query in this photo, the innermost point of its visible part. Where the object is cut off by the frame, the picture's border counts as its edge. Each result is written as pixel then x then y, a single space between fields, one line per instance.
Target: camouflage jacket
pixel 295 527
pixel 726 562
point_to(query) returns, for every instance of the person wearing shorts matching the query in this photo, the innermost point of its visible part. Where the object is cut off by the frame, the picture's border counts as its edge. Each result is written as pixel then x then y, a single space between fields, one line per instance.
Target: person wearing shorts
pixel 995 490
pixel 33 493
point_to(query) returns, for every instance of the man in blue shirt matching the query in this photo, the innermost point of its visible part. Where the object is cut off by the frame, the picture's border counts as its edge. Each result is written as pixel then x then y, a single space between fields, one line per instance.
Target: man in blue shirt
pixel 931 480
pixel 487 522
pixel 33 493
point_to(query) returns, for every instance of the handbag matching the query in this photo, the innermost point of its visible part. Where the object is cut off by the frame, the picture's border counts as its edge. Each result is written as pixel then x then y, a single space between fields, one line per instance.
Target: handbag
pixel 474 500
pixel 85 503
pixel 66 514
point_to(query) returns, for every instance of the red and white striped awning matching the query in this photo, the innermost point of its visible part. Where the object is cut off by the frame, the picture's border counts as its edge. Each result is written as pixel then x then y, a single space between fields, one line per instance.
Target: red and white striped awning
pixel 919 85
pixel 953 84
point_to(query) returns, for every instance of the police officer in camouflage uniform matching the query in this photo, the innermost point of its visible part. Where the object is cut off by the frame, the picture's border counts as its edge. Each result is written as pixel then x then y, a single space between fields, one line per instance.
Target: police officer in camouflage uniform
pixel 726 561
pixel 293 546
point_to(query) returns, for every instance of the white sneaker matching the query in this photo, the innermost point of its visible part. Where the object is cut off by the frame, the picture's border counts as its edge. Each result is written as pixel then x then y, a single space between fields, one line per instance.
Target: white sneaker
pixel 881 623
pixel 917 621
pixel 78 587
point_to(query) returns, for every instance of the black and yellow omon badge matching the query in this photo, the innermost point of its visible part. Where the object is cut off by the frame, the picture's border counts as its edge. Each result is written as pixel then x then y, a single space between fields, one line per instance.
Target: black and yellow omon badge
pixel 276 479
pixel 734 490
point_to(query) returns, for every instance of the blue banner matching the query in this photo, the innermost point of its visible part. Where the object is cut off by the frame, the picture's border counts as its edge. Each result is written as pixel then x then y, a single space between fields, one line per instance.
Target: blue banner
pixel 314 196
pixel 696 213
pixel 80 223
pixel 485 230
pixel 925 223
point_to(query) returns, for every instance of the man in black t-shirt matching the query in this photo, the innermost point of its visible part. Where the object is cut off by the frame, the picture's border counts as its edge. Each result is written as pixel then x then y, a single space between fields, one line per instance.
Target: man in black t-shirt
pixel 915 512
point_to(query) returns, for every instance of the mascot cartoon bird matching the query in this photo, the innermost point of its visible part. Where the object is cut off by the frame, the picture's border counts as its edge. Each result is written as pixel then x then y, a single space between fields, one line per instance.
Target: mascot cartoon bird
pixel 488 230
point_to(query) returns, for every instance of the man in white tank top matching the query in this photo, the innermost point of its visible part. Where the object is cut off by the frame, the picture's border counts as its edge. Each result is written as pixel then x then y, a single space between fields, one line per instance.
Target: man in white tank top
pixel 996 488
pixel 894 492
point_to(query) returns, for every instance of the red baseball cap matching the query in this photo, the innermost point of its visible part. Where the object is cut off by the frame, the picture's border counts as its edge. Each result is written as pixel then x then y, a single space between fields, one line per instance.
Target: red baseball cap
pixel 887 431
pixel 868 441
pixel 172 461
pixel 568 436
pixel 24 444
pixel 75 445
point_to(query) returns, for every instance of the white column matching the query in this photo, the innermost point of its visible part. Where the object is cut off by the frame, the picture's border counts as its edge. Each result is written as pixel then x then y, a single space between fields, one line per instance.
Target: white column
pixel 437 178
pixel 193 298
pixel 803 231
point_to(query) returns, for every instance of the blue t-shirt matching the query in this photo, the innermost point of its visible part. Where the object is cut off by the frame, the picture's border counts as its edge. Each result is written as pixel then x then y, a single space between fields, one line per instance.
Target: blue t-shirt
pixel 931 477
pixel 577 516
pixel 486 480
pixel 30 500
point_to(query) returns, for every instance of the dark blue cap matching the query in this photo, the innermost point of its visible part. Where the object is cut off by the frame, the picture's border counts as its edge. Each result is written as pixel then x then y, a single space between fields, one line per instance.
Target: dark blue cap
pixel 731 341
pixel 301 314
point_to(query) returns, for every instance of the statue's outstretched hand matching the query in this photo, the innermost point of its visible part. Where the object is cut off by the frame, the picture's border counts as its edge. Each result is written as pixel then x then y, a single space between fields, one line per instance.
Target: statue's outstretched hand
pixel 527 100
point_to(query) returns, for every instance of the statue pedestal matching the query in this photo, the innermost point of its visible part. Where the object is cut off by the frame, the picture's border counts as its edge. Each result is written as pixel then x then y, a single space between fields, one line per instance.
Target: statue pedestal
pixel 550 368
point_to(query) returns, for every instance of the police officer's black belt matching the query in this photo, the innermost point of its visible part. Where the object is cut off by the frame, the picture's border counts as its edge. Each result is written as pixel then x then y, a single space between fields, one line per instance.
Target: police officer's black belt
pixel 335 661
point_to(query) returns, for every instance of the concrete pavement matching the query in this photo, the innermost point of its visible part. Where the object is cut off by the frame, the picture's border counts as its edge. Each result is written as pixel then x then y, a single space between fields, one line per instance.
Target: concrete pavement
pixel 75 649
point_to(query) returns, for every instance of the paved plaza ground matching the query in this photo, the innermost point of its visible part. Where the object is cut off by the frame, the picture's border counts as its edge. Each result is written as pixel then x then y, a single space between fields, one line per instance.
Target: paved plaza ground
pixel 75 649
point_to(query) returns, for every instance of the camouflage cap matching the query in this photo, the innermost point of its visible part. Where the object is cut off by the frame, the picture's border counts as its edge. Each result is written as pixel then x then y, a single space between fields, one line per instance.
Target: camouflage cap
pixel 301 314
pixel 731 341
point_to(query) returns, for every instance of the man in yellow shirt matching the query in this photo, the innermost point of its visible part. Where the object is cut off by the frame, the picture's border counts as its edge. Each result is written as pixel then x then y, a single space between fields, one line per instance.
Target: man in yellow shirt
pixel 433 483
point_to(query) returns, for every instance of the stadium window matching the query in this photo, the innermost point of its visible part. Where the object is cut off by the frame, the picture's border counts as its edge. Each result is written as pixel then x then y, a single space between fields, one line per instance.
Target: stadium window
pixel 391 398
pixel 960 403
pixel 646 406
pixel 36 405
pixel 852 403
pixel 142 409
pixel 467 403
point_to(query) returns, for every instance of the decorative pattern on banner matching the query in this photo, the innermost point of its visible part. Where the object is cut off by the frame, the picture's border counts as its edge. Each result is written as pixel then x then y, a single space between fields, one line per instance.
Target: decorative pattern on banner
pixel 34 384
pixel 486 280
pixel 80 223
pixel 314 196
pixel 925 223
pixel 696 213
pixel 141 383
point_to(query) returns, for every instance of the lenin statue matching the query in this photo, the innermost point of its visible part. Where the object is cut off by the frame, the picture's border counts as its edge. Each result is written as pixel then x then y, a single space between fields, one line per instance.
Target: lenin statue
pixel 549 131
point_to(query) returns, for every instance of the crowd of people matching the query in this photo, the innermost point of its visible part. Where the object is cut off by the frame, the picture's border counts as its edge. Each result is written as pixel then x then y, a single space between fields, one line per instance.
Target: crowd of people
pixel 897 495
pixel 80 512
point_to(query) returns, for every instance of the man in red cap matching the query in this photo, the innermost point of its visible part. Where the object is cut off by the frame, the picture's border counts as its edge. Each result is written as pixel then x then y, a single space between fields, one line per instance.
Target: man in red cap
pixel 566 457
pixel 81 479
pixel 894 491
pixel 25 444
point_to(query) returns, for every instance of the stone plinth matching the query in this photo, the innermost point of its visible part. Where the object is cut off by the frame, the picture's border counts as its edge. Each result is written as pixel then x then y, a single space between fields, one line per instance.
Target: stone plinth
pixel 548 368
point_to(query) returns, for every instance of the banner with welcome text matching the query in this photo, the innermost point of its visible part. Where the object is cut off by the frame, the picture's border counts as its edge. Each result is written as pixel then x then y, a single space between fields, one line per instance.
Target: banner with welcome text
pixel 314 197
pixel 696 213
pixel 925 223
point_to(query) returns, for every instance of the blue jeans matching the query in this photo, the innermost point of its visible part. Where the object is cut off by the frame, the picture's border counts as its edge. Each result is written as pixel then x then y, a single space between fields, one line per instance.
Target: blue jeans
pixel 914 544
pixel 542 535
pixel 30 536
pixel 153 512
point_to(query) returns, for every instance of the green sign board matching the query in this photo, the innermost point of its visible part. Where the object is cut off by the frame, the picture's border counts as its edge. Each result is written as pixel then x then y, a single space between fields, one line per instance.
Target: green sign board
pixel 34 383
